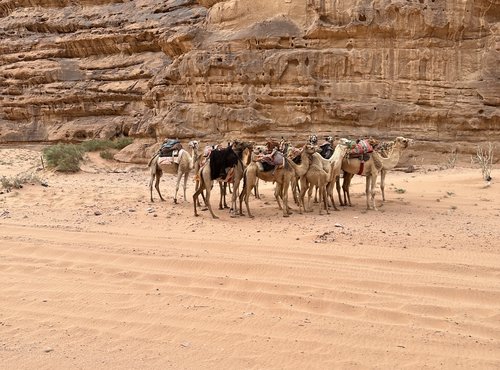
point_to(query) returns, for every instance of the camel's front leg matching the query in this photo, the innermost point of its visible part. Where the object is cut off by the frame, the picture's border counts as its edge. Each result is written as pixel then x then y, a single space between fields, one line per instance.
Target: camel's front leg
pixel 185 186
pixel 382 183
pixel 372 191
pixel 277 196
pixel 179 175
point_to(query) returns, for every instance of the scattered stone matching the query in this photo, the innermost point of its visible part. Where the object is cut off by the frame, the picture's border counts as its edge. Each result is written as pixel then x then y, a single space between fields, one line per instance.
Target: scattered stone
pixel 185 344
pixel 339 225
pixel 44 183
pixel 326 237
pixel 97 213
pixel 48 349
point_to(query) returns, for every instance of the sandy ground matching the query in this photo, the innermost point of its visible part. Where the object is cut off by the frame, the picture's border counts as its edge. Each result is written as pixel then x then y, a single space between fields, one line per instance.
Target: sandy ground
pixel 93 275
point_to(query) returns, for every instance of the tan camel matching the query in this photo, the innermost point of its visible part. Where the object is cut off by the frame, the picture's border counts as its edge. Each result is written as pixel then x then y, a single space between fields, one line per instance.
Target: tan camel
pixel 322 174
pixel 186 163
pixel 301 169
pixel 281 176
pixel 386 150
pixel 371 169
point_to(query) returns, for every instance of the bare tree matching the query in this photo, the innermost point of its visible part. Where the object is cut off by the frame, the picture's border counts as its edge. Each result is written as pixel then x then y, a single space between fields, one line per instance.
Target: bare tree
pixel 484 157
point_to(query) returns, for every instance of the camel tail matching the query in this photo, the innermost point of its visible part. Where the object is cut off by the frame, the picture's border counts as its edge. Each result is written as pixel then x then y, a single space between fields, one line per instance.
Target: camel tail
pixel 152 159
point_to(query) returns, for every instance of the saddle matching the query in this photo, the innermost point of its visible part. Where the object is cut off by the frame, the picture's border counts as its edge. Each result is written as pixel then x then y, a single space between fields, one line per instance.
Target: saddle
pixel 170 148
pixel 272 161
pixel 326 150
pixel 360 149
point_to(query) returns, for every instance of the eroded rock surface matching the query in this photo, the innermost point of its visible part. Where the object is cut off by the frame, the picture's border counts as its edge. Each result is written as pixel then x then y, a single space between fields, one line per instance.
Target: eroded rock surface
pixel 216 70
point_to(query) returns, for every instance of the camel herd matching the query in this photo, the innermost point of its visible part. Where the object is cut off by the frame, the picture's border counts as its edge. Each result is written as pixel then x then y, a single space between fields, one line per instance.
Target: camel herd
pixel 241 164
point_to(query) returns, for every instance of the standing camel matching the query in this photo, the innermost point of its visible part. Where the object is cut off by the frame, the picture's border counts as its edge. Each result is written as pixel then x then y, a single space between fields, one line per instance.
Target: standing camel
pixel 386 152
pixel 185 164
pixel 370 169
pixel 280 175
pixel 216 167
pixel 322 174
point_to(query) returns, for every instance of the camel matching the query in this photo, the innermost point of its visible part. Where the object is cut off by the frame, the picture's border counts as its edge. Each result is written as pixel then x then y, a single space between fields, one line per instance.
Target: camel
pixel 186 164
pixel 386 150
pixel 280 175
pixel 216 167
pixel 301 169
pixel 243 151
pixel 370 169
pixel 322 173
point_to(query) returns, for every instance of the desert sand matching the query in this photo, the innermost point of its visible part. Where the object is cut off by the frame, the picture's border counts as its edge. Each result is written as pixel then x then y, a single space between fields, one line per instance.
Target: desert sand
pixel 94 275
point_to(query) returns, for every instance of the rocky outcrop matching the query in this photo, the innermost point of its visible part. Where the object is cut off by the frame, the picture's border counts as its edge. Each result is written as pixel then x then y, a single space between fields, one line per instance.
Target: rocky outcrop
pixel 427 69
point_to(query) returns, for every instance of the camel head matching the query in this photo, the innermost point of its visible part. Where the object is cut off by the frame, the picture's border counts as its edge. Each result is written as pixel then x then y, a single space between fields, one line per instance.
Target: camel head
pixel 193 144
pixel 402 142
pixel 313 139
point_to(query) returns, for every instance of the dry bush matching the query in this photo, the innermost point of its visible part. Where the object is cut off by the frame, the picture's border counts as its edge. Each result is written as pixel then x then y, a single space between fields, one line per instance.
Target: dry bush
pixel 484 157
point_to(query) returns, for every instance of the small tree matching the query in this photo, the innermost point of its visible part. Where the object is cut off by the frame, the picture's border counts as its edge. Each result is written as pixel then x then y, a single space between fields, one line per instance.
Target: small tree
pixel 484 157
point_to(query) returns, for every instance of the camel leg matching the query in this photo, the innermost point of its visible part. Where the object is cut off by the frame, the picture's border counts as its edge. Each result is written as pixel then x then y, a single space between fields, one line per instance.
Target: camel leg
pixel 248 184
pixel 325 199
pixel 345 187
pixel 329 191
pixel 337 186
pixel 284 196
pixel 222 189
pixel 157 183
pixel 199 190
pixel 256 190
pixel 236 191
pixel 316 194
pixel 277 197
pixel 367 191
pixel 382 183
pixel 151 180
pixel 179 175
pixel 278 192
pixel 309 197
pixel 303 189
pixel 207 200
pixel 185 185
pixel 372 191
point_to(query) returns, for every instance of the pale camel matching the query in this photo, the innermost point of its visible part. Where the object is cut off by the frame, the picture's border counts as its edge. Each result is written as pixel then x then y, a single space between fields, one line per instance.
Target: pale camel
pixel 186 163
pixel 386 150
pixel 370 169
pixel 301 169
pixel 281 176
pixel 316 178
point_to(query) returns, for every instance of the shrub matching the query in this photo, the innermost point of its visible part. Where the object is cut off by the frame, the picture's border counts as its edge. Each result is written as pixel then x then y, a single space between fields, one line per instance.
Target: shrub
pixel 106 154
pixel 484 157
pixel 64 157
pixel 67 157
pixel 17 182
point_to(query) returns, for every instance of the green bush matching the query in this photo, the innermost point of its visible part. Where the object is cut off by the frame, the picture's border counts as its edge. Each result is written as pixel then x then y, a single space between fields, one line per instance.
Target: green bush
pixel 106 154
pixel 67 157
pixel 122 142
pixel 64 157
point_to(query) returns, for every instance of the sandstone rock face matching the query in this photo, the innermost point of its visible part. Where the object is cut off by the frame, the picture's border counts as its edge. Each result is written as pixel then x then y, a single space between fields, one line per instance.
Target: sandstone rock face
pixel 216 70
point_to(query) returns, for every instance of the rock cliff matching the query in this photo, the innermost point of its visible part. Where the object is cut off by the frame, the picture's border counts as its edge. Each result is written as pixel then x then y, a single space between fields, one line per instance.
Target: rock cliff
pixel 216 70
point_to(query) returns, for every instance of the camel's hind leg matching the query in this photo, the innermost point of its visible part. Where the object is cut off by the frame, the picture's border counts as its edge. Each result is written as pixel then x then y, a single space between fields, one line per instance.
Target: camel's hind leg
pixel 345 187
pixel 156 174
pixel 248 185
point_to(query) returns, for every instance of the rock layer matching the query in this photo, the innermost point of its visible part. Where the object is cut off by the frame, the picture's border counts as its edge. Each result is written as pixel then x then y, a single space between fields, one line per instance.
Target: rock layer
pixel 216 70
